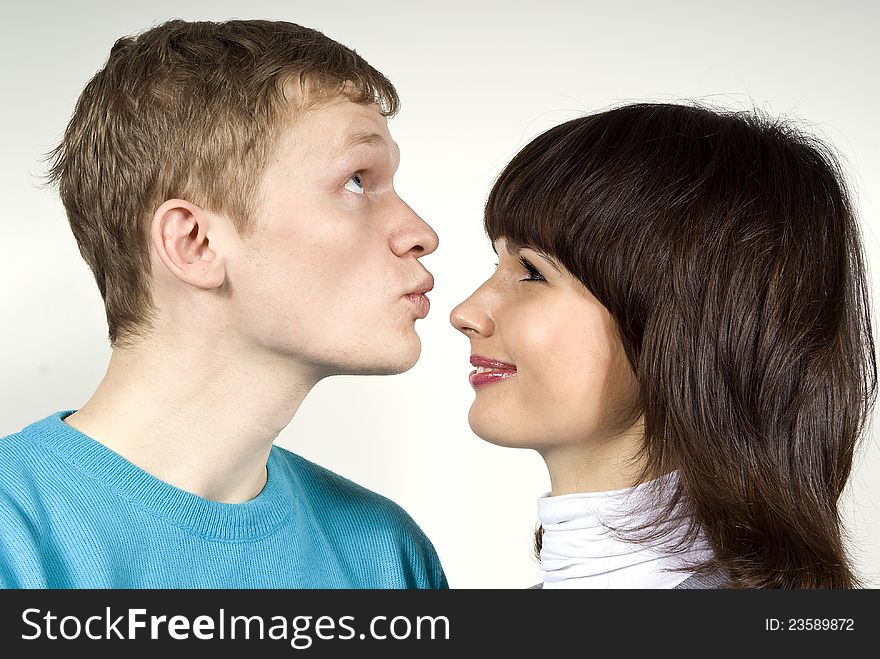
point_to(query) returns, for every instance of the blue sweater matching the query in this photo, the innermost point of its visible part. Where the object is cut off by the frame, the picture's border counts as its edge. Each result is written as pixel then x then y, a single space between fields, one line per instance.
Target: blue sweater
pixel 74 514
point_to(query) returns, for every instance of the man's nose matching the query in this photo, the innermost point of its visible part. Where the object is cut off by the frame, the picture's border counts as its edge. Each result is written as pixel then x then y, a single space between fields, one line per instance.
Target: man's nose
pixel 413 234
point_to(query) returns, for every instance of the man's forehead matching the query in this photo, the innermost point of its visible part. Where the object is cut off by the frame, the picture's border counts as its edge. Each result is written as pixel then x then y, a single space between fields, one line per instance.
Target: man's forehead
pixel 362 126
pixel 354 136
pixel 332 130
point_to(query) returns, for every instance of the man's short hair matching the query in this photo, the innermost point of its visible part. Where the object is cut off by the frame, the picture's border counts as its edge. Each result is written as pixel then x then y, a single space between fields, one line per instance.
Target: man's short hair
pixel 188 110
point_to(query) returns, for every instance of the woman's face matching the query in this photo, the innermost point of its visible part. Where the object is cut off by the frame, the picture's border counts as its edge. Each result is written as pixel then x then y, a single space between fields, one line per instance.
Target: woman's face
pixel 551 371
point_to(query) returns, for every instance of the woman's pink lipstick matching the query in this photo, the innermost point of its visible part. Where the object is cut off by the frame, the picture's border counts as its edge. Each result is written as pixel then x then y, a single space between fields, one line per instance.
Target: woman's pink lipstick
pixel 496 372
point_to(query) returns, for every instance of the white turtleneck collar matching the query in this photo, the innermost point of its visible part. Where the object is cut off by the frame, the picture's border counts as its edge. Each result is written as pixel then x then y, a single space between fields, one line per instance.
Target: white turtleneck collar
pixel 579 552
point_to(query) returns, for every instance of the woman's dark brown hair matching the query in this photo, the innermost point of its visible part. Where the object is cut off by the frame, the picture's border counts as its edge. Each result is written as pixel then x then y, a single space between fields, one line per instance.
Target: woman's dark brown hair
pixel 725 246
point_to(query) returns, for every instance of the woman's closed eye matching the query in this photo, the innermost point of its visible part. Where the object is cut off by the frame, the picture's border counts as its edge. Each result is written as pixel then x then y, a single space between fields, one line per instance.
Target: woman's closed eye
pixel 533 273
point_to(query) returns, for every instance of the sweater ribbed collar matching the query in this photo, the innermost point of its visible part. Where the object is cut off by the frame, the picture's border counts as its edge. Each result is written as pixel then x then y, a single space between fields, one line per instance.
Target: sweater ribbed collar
pixel 231 522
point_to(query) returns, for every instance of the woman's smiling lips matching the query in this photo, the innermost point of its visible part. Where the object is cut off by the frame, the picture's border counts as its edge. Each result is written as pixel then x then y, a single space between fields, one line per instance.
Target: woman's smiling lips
pixel 489 371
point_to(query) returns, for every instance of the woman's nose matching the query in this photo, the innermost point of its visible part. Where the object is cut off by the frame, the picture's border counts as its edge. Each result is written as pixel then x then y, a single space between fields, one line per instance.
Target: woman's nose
pixel 474 315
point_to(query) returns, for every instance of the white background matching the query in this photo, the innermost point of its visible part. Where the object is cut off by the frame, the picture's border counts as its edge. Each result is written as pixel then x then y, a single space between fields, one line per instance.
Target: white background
pixel 477 81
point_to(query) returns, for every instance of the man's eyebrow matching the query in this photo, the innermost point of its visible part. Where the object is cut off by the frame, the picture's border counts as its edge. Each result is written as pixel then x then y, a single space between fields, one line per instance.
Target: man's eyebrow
pixel 358 139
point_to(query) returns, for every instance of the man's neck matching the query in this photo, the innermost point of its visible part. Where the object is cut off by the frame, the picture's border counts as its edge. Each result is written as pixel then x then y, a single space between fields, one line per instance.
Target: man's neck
pixel 200 419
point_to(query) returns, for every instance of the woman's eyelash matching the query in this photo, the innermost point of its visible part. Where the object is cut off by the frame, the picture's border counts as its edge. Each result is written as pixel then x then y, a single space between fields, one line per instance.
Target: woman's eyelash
pixel 534 273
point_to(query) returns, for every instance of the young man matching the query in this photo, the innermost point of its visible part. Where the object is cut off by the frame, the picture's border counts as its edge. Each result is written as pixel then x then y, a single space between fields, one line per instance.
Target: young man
pixel 231 187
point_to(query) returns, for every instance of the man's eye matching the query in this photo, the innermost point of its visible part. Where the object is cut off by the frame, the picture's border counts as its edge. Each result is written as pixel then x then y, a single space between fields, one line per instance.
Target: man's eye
pixel 355 183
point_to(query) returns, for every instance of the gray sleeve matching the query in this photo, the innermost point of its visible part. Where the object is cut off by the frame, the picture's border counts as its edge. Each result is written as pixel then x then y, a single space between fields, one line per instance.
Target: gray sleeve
pixel 716 579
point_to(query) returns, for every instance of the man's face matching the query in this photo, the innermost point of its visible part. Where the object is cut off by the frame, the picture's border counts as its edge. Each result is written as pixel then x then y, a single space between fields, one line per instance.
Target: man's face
pixel 330 276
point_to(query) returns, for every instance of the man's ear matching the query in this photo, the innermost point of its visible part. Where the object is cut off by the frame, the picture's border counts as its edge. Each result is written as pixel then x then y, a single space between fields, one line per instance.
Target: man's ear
pixel 179 233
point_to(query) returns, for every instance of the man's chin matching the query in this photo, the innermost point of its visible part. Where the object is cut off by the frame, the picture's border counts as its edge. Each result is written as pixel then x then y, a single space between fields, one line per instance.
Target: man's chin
pixel 384 364
pixel 394 368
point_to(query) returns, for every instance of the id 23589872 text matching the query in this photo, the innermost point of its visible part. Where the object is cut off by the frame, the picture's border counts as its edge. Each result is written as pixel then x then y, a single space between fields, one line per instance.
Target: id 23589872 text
pixel 808 624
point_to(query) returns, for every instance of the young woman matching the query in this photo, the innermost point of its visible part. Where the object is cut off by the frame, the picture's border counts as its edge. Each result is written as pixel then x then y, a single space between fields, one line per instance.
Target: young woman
pixel 679 324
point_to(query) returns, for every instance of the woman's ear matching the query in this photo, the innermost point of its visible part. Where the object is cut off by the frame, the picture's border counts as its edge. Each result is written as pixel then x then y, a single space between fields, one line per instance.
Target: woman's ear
pixel 179 234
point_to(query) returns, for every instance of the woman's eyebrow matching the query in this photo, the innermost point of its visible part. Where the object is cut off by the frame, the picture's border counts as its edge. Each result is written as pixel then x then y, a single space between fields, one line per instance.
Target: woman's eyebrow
pixel 513 247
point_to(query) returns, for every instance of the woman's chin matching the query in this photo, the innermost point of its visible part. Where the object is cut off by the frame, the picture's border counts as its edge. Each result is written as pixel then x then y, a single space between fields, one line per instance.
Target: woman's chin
pixel 506 434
